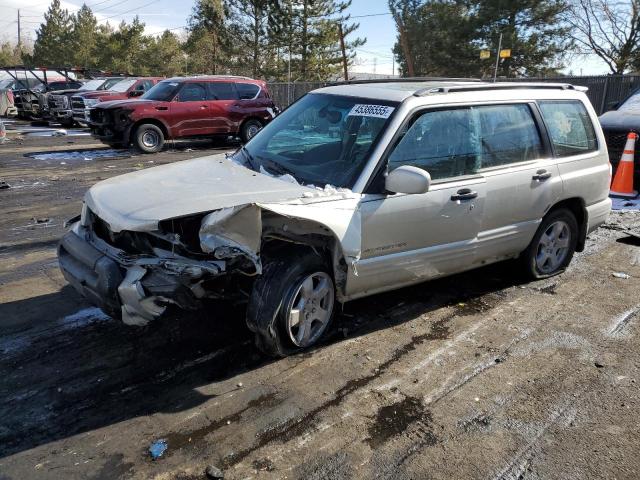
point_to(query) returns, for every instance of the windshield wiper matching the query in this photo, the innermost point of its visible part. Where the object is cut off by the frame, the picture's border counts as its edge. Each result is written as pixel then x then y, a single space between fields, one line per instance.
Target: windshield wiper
pixel 276 167
pixel 249 158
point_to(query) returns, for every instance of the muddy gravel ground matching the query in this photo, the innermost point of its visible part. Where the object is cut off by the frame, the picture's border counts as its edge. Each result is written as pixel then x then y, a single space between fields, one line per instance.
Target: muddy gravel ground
pixel 473 376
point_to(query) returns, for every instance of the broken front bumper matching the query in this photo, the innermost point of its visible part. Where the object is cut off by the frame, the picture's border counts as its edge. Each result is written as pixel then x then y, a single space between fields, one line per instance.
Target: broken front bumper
pixel 135 288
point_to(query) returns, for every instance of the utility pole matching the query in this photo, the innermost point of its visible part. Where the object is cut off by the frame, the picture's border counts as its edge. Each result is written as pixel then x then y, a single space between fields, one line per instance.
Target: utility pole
pixel 19 32
pixel 495 73
pixel 344 53
pixel 405 46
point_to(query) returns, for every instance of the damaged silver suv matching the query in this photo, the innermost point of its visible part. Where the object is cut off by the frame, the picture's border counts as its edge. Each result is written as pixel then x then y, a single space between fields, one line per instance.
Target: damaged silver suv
pixel 353 190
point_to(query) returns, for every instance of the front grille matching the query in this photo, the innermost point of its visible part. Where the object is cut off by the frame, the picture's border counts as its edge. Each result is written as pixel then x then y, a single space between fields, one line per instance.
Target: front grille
pixel 77 103
pixel 97 115
pixel 58 102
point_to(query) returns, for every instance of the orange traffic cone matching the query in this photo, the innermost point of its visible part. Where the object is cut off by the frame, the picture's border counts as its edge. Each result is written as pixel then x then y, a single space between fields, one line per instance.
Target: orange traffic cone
pixel 622 185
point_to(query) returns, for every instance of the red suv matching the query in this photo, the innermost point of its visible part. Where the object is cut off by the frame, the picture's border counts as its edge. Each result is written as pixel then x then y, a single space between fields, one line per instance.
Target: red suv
pixel 185 107
pixel 82 103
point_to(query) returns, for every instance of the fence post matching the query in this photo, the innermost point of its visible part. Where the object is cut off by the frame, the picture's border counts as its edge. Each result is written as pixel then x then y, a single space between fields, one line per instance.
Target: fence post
pixel 604 96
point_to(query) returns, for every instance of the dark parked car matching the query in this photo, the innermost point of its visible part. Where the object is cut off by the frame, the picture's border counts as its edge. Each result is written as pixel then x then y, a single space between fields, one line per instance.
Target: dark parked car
pixel 32 103
pixel 186 107
pixel 617 124
pixel 83 103
pixel 59 102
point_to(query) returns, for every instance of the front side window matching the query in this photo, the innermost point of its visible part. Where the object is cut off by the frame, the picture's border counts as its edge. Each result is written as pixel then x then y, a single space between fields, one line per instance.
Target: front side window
pixel 321 139
pixel 163 91
pixel 221 91
pixel 461 141
pixel 193 92
pixel 569 126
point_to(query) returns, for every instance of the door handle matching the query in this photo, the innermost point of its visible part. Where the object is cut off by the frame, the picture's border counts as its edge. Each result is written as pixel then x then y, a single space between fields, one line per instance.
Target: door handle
pixel 464 194
pixel 541 176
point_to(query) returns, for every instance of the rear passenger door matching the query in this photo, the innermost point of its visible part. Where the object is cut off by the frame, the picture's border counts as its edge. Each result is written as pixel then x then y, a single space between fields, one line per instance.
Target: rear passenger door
pixel 522 177
pixel 222 100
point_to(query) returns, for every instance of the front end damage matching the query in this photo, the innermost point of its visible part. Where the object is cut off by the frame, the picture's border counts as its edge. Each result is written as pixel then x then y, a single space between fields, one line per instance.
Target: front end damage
pixel 138 275
pixel 111 125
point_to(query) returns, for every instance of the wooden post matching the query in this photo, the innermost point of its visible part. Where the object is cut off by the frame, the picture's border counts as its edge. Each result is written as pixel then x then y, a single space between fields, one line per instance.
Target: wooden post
pixel 344 53
pixel 405 46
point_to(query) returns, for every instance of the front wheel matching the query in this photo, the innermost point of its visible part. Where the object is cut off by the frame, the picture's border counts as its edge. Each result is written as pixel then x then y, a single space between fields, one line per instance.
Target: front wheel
pixel 249 130
pixel 292 303
pixel 553 245
pixel 149 138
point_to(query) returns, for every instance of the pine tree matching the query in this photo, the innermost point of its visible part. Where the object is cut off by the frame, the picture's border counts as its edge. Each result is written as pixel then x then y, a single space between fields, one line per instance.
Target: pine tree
pixel 209 43
pixel 531 29
pixel 53 38
pixel 165 56
pixel 84 38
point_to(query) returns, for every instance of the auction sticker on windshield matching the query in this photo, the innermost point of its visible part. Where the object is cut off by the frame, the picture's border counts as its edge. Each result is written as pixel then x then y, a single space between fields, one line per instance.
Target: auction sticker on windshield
pixel 377 111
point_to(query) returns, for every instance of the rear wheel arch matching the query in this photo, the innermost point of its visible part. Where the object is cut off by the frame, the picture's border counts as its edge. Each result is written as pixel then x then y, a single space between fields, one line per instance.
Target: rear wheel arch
pixel 241 130
pixel 576 206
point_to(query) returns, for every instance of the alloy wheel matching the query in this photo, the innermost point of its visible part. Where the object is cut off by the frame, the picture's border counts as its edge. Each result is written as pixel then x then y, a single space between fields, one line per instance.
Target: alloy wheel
pixel 310 311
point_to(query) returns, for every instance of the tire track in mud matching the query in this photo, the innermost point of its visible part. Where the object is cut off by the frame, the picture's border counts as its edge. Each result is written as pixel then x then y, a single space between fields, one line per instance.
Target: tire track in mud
pixel 295 427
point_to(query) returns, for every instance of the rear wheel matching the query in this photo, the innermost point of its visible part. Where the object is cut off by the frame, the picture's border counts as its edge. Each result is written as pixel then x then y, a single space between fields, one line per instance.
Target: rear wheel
pixel 149 138
pixel 292 303
pixel 553 245
pixel 249 130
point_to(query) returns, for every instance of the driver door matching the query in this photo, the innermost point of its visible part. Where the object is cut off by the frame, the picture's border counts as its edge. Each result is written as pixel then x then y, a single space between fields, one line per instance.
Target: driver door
pixel 409 238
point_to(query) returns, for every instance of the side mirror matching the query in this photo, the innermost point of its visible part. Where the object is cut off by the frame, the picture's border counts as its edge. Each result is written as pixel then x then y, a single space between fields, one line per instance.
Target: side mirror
pixel 408 179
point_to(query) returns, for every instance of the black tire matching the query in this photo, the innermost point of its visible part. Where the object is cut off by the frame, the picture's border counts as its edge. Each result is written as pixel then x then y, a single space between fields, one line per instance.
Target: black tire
pixel 249 129
pixel 531 257
pixel 149 138
pixel 273 295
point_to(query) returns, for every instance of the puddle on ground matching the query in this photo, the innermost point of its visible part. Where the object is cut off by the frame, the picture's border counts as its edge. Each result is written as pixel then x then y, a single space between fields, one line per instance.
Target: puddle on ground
pixel 80 155
pixel 394 420
pixel 625 204
pixel 56 133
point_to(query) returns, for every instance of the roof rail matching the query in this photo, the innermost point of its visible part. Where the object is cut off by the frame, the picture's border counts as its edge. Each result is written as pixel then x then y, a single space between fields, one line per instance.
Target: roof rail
pixel 497 86
pixel 405 80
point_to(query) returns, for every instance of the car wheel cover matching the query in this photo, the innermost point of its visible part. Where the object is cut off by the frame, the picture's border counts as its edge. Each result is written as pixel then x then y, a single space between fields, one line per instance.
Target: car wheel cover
pixel 252 129
pixel 310 311
pixel 150 139
pixel 553 247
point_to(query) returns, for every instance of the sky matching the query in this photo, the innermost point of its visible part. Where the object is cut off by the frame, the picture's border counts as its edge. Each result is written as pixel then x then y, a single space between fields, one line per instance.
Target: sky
pixel 373 57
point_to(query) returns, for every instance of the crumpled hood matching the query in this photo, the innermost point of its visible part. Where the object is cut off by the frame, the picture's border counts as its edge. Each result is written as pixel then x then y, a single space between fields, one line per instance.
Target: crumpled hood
pixel 103 95
pixel 620 120
pixel 137 201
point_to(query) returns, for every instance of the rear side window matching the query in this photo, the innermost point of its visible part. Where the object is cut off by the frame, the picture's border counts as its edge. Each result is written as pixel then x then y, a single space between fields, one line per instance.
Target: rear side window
pixel 222 91
pixel 247 91
pixel 569 126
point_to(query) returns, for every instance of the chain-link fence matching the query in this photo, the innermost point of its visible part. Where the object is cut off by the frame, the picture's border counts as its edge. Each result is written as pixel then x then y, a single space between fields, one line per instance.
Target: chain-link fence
pixel 605 92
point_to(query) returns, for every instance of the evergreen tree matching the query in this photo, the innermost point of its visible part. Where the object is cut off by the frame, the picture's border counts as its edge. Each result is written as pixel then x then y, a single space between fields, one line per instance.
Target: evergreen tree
pixel 53 38
pixel 84 38
pixel 209 44
pixel 164 56
pixel 531 29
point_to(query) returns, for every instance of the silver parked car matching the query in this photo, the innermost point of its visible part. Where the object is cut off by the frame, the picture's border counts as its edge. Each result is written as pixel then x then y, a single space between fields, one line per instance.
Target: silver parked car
pixel 353 190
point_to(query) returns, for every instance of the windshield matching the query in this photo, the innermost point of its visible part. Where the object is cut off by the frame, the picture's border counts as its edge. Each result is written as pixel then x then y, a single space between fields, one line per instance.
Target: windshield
pixel 122 86
pixel 321 139
pixel 5 83
pixel 632 103
pixel 109 83
pixel 92 85
pixel 162 92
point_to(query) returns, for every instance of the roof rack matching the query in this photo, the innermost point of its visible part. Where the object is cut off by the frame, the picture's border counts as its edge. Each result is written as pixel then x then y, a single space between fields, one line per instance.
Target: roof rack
pixel 496 86
pixel 406 80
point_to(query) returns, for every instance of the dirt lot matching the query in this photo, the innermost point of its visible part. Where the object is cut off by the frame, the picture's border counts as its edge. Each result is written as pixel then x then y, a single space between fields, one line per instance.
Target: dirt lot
pixel 474 376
